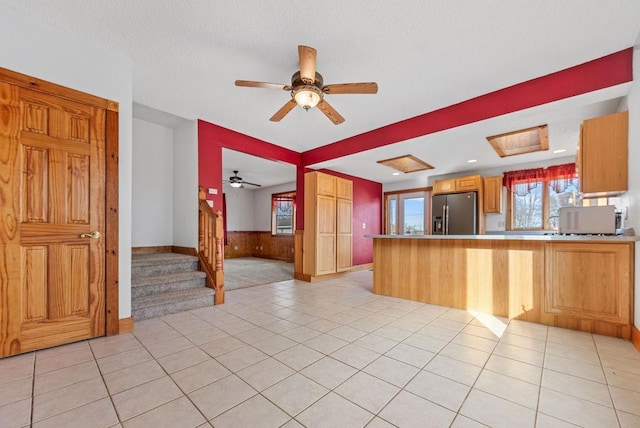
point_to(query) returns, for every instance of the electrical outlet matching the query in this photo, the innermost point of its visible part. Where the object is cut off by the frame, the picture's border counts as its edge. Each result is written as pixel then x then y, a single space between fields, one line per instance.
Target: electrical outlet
pixel 235 247
pixel 257 248
pixel 364 225
pixel 260 247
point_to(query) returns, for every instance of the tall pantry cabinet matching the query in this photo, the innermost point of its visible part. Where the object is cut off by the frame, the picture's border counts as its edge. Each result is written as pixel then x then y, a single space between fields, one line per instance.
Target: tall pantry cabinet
pixel 328 223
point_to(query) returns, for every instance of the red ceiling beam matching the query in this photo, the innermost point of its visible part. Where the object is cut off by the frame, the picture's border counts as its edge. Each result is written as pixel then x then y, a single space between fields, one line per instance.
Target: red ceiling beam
pixel 591 76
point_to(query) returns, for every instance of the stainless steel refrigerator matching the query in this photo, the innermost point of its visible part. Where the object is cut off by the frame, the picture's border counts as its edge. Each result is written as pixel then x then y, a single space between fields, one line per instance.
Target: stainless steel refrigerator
pixel 455 214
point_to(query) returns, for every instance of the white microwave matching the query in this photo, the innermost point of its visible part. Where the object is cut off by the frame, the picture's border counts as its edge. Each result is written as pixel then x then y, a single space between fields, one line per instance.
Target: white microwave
pixel 587 220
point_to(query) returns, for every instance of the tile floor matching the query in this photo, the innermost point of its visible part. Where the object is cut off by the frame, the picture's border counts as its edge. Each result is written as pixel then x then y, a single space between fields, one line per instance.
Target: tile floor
pixel 328 354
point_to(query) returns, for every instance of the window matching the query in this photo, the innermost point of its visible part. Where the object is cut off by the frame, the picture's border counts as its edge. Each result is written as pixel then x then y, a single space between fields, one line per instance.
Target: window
pixel 283 213
pixel 535 195
pixel 407 212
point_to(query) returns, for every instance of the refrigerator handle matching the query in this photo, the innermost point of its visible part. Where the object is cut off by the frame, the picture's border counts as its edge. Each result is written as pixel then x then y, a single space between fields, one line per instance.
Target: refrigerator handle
pixel 445 210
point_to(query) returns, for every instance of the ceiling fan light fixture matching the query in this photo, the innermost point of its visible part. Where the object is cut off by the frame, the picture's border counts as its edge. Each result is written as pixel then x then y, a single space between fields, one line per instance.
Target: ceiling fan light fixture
pixel 235 184
pixel 307 96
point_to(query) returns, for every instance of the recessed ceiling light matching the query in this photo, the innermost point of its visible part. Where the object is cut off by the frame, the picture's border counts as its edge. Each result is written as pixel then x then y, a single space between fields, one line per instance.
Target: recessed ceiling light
pixel 559 151
pixel 396 173
pixel 472 161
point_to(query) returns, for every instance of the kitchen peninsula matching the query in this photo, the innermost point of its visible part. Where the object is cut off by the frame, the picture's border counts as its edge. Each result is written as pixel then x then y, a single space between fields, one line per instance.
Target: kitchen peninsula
pixel 578 282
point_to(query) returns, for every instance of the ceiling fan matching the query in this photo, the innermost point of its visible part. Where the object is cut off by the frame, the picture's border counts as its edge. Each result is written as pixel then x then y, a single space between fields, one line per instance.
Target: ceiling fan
pixel 236 181
pixel 308 89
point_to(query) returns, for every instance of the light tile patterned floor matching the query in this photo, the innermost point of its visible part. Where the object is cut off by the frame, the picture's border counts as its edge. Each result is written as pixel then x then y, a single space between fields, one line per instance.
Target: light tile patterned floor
pixel 327 354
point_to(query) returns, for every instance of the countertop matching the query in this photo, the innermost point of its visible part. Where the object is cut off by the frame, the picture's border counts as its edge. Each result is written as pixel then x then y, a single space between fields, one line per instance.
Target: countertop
pixel 524 237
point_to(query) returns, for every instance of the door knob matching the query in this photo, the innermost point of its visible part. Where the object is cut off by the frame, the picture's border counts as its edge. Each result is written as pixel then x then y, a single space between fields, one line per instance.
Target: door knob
pixel 93 235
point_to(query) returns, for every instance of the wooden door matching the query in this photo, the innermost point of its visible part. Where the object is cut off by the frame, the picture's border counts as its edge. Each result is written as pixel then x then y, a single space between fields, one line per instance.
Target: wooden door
pixel 326 236
pixel 52 222
pixel 344 235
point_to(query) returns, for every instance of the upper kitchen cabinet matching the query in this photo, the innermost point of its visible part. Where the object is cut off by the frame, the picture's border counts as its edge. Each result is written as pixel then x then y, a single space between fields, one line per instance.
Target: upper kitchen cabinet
pixel 603 155
pixel 492 194
pixel 455 185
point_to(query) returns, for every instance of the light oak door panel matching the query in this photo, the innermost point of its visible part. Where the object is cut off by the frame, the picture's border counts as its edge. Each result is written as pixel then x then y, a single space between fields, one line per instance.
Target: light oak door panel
pixel 589 281
pixel 52 174
pixel 344 243
pixel 326 235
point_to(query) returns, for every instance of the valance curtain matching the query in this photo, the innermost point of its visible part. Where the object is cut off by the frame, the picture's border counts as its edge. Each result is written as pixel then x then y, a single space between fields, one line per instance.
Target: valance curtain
pixel 521 182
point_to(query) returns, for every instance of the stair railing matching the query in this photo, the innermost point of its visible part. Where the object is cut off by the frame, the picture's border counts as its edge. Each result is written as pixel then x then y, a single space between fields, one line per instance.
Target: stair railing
pixel 210 246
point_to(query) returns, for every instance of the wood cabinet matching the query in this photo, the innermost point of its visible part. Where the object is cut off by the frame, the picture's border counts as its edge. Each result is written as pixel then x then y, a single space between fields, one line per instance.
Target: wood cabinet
pixel 602 158
pixel 444 186
pixel 589 281
pixel 581 285
pixel 328 225
pixel 492 194
pixel 454 185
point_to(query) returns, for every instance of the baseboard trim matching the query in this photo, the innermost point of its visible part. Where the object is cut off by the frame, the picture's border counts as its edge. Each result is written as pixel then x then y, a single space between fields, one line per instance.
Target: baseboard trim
pixel 310 278
pixel 184 250
pixel 635 337
pixel 125 325
pixel 365 266
pixel 151 250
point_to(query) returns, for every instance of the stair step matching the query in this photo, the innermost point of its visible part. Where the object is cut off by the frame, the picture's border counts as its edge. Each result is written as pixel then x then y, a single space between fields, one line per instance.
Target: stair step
pixel 161 263
pixel 170 303
pixel 151 285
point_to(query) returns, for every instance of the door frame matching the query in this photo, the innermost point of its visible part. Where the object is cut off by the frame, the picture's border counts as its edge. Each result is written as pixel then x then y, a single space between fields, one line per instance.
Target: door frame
pixel 111 180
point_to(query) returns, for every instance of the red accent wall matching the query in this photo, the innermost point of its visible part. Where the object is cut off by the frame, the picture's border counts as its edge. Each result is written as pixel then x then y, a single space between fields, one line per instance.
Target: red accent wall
pixel 367 209
pixel 212 138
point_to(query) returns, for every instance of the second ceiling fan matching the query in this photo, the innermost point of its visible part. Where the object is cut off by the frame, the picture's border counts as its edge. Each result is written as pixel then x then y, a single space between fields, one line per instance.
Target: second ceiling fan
pixel 308 89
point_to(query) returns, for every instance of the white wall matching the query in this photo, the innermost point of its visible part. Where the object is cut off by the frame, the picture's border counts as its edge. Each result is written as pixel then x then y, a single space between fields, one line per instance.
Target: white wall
pixel 185 185
pixel 240 216
pixel 262 204
pixel 152 186
pixel 40 50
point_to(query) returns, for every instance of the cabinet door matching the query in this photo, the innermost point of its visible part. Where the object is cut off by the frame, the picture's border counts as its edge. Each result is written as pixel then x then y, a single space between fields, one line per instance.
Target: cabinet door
pixel 604 152
pixel 467 184
pixel 344 188
pixel 326 235
pixel 444 186
pixel 492 195
pixel 326 184
pixel 344 235
pixel 589 281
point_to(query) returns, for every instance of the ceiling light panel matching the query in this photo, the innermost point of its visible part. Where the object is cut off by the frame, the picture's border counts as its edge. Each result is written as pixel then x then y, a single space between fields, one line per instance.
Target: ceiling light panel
pixel 520 142
pixel 406 164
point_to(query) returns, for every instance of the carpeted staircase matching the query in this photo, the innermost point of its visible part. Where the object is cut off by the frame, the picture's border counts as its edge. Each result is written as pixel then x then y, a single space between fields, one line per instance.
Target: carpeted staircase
pixel 166 283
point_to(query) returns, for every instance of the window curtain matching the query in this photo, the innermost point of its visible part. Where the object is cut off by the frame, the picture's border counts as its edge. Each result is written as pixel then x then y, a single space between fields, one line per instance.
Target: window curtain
pixel 521 182
pixel 561 176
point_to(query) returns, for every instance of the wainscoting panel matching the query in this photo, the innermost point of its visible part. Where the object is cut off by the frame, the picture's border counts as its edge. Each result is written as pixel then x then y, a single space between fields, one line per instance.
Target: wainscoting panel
pixel 259 244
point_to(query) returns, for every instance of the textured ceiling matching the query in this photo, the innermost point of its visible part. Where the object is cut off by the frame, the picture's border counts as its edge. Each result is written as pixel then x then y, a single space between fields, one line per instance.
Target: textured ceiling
pixel 424 55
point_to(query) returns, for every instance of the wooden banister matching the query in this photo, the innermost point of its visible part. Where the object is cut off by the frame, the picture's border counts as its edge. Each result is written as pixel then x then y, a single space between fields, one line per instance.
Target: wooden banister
pixel 210 246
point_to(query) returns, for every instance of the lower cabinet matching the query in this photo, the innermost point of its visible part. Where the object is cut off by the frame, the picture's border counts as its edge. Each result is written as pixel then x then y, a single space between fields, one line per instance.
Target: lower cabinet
pixel 588 282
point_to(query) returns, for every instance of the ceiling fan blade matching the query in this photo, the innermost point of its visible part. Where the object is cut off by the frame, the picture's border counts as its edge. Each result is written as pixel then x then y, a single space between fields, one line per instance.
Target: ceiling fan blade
pixel 330 112
pixel 252 84
pixel 351 88
pixel 283 111
pixel 307 57
pixel 252 184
